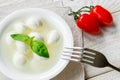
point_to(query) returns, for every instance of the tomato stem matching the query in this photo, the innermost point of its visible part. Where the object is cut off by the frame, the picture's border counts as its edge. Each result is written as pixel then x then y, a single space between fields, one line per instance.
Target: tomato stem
pixel 91 7
pixel 80 11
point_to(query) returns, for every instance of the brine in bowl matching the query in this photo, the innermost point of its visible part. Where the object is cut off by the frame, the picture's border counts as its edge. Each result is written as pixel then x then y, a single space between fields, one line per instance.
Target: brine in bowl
pixel 19 59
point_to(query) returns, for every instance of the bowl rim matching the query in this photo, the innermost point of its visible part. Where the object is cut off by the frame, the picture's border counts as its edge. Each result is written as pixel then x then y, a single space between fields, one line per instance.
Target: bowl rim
pixel 67 43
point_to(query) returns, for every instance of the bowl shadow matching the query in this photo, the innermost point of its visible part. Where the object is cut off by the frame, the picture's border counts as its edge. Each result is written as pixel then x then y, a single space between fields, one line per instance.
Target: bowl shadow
pixel 71 72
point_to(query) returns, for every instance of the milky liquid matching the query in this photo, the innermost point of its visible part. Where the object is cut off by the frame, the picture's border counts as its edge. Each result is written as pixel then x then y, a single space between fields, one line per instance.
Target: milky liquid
pixel 37 66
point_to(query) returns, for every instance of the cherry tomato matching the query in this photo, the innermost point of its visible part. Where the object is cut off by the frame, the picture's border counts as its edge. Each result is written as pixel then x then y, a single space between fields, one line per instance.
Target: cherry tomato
pixel 103 15
pixel 88 23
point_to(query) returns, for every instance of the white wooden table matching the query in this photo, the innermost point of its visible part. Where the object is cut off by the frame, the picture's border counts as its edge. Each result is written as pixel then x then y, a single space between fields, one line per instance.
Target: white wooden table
pixel 108 43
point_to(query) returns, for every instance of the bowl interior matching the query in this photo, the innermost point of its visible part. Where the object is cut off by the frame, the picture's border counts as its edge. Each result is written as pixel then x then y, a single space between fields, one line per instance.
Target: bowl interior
pixel 53 18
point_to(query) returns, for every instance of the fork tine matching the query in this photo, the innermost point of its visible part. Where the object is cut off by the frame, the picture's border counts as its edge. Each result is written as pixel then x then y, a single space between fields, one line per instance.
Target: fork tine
pixel 86 62
pixel 67 55
pixel 91 50
pixel 89 54
pixel 72 59
pixel 79 48
pixel 87 58
pixel 74 52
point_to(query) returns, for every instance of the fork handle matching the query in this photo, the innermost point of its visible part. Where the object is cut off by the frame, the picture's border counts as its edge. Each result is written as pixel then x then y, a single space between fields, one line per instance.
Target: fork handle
pixel 113 67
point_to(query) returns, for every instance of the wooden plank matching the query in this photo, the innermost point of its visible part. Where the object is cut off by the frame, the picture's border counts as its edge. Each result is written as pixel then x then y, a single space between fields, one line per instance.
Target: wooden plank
pixel 113 75
pixel 73 71
pixel 106 43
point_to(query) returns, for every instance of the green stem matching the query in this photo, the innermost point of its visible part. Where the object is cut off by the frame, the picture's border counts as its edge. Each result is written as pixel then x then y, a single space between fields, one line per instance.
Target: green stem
pixel 91 7
pixel 78 13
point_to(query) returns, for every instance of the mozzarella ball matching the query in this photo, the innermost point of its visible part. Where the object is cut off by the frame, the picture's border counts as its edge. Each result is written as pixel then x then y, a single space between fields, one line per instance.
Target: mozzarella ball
pixel 37 36
pixel 37 57
pixel 21 47
pixel 19 27
pixel 19 59
pixel 52 37
pixel 33 23
pixel 8 38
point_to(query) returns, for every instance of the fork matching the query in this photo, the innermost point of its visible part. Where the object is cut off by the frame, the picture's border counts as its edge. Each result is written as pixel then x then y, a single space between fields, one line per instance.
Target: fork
pixel 88 56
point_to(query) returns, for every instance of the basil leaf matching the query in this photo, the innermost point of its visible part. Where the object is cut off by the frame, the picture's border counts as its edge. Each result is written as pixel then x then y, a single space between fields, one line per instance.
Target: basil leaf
pixel 39 48
pixel 20 37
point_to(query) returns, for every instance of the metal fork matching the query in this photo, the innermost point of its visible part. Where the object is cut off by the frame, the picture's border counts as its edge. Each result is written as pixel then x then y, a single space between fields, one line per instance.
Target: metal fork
pixel 89 56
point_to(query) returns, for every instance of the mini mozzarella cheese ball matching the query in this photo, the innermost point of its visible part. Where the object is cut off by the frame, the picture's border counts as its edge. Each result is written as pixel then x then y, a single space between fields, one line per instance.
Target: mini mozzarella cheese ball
pixel 37 36
pixel 19 27
pixel 52 37
pixel 8 37
pixel 33 23
pixel 21 47
pixel 37 57
pixel 19 59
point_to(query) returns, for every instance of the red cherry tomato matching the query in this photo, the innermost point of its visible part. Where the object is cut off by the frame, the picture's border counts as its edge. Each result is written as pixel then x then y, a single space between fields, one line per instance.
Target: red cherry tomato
pixel 88 23
pixel 103 16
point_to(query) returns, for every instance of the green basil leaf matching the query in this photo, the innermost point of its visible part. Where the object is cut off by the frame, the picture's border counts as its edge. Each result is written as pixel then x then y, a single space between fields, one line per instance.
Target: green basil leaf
pixel 20 37
pixel 39 48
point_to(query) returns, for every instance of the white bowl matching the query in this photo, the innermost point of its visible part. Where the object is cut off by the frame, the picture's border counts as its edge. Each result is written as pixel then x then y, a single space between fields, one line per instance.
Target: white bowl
pixel 67 38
